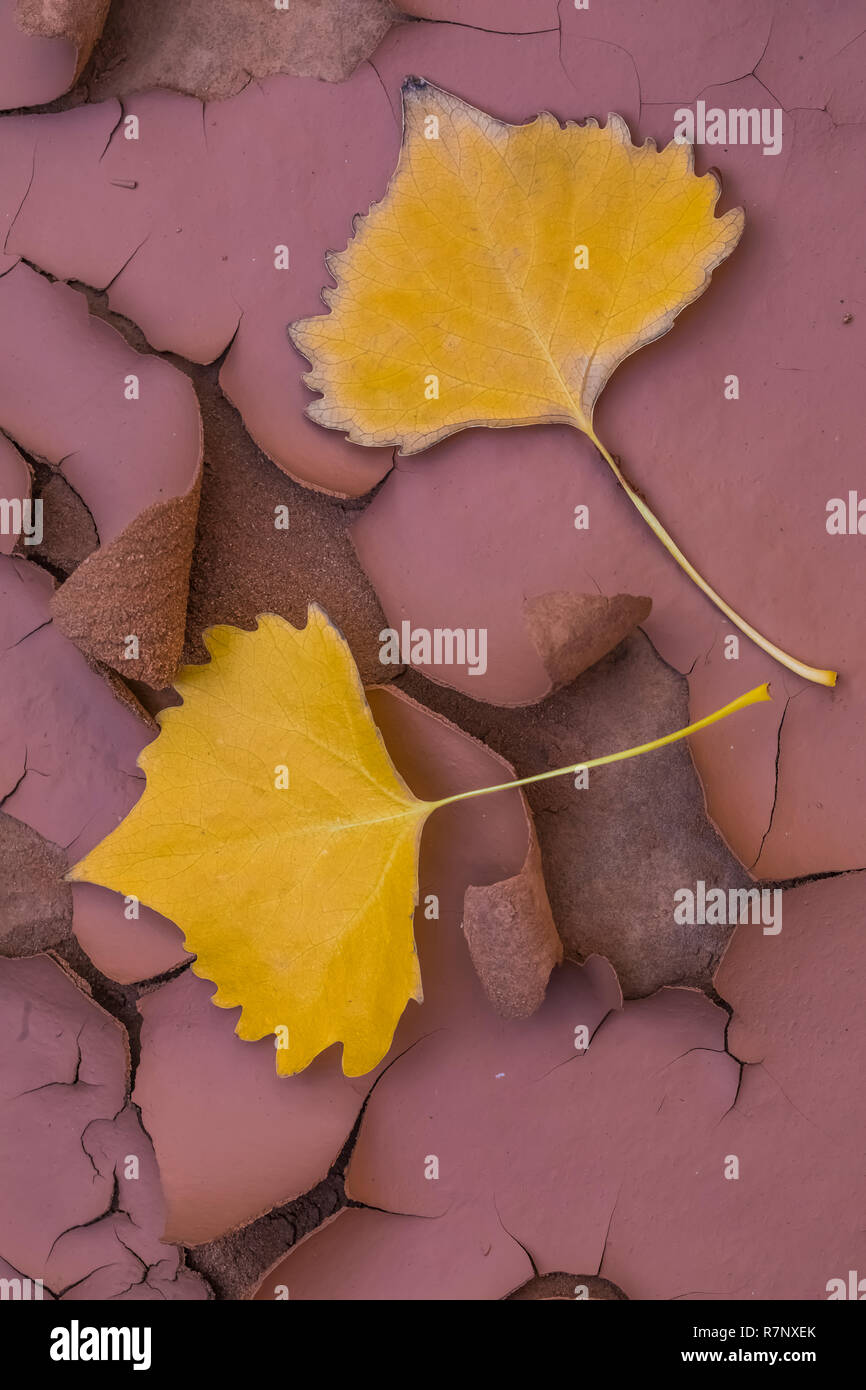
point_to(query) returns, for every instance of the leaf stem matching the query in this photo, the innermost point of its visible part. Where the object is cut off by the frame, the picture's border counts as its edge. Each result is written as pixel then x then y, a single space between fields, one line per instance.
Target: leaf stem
pixel 809 673
pixel 752 697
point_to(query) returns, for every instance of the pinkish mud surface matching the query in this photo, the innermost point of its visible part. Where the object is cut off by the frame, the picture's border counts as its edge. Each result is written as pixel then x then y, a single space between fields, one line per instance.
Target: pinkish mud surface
pixel 171 179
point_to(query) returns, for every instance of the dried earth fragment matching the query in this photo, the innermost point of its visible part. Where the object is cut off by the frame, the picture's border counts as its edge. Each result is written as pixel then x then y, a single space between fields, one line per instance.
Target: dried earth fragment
pixel 796 1001
pixel 617 850
pixel 678 47
pixel 84 1211
pixel 68 774
pixel 644 1124
pixel 124 432
pixel 35 903
pixel 571 632
pixel 231 1137
pixel 212 51
pixel 148 217
pixel 44 44
pixel 69 534
pixel 507 921
pixel 411 1259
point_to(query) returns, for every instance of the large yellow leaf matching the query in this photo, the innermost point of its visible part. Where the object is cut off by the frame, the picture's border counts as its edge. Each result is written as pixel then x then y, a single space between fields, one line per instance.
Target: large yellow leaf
pixel 297 900
pixel 469 271
pixel 295 892
pixel 503 277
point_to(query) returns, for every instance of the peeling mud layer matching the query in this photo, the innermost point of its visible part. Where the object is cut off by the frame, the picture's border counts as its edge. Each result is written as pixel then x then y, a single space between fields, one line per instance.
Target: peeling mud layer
pixel 631 1072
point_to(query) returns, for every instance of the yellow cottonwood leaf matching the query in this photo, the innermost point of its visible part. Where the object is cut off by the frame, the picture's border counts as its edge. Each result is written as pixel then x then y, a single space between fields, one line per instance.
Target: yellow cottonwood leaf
pixel 277 834
pixel 465 298
pixel 504 276
pixel 298 899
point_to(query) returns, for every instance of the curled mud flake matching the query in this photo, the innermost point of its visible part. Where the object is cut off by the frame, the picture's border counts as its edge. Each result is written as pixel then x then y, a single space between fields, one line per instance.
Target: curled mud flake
pixel 626 915
pixel 512 938
pixel 133 458
pixel 35 903
pixel 509 928
pixel 79 21
pixel 135 587
pixel 44 44
pixel 212 51
pixel 574 631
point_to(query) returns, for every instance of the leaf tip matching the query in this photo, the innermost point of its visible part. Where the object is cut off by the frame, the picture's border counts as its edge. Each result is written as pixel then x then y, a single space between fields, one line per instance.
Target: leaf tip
pixel 413 84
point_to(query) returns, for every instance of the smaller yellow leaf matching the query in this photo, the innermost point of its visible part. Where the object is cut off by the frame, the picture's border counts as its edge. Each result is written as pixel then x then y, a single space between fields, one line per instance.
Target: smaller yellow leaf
pixel 296 889
pixel 505 274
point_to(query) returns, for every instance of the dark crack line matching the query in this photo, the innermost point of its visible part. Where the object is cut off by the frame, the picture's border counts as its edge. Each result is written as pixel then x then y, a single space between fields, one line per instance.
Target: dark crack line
pixel 730 81
pixel 27 769
pixel 846 46
pixel 717 1051
pixel 116 276
pixel 32 633
pixel 754 71
pixel 20 206
pixel 112 1207
pixel 800 1112
pixel 598 1273
pixel 707 1293
pixel 14 789
pixel 775 787
pixel 513 1237
pixel 698 657
pixel 114 129
pixel 76 1074
pixel 391 105
pixel 742 1067
pixel 785 883
pixel 576 1055
pixel 83 1280
pixel 479 28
